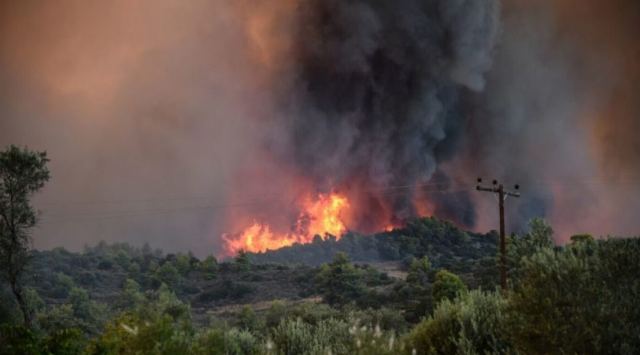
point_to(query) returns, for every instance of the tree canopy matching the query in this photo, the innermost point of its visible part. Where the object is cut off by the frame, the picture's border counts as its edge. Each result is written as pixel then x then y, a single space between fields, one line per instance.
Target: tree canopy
pixel 22 173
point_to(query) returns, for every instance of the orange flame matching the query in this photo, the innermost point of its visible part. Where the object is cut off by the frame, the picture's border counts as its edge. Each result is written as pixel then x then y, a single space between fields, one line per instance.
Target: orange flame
pixel 321 216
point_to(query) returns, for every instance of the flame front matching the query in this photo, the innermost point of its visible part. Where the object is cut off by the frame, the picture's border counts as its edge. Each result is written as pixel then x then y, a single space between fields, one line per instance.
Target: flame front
pixel 323 215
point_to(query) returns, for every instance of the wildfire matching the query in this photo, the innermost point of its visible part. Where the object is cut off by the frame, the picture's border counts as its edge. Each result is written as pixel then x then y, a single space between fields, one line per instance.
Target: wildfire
pixel 325 214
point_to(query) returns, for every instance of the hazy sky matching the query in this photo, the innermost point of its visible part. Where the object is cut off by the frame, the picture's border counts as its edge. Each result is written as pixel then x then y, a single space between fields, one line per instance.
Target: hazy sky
pixel 150 110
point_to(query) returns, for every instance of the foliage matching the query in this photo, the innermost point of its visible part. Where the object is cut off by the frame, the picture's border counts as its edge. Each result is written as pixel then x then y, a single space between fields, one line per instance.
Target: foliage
pixel 183 264
pixel 581 238
pixel 419 271
pixel 446 246
pixel 248 320
pixel 63 285
pixel 160 326
pixel 581 299
pixel 209 266
pixel 242 261
pixel 470 324
pixel 19 340
pixel 78 313
pixel 340 282
pixel 131 297
pixel 22 173
pixel 447 286
pixel 58 317
pixel 539 236
pixel 331 336
pixel 168 274
pixel 298 337
pixel 232 342
pixel 416 293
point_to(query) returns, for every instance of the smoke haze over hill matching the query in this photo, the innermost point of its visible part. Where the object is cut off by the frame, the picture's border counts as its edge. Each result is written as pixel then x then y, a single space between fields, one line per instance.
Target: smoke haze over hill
pixel 173 122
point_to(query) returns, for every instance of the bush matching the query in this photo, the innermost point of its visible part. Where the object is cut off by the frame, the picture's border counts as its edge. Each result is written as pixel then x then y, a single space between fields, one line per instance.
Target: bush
pixel 298 337
pixel 340 282
pixel 579 299
pixel 470 324
pixel 18 340
pixel 447 286
pixel 168 274
pixel 209 267
pixel 63 285
pixel 241 342
pixel 160 326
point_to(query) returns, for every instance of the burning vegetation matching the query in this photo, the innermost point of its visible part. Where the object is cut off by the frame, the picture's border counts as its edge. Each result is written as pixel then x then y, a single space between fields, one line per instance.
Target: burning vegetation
pixel 320 216
pixel 372 100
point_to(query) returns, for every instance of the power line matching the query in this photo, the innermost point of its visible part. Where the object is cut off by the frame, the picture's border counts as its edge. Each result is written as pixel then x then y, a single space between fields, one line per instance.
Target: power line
pixel 270 200
pixel 253 202
pixel 594 179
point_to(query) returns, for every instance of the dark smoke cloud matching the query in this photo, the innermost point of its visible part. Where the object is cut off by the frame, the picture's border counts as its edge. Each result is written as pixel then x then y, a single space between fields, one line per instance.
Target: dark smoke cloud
pixel 154 106
pixel 378 92
pixel 560 116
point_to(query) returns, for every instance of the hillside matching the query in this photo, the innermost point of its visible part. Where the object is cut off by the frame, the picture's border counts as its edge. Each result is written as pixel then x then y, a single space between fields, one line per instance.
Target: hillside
pixel 285 274
pixel 121 297
pixel 446 246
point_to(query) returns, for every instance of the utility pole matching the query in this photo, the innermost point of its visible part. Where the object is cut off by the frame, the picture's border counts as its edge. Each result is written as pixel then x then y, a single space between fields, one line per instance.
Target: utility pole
pixel 502 195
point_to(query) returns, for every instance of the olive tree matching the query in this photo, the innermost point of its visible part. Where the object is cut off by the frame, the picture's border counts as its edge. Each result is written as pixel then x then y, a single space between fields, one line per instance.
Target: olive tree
pixel 22 173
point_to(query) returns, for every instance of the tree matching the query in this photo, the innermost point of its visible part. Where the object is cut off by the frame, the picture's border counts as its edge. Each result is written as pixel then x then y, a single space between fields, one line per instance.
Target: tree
pixel 131 296
pixel 168 274
pixel 579 299
pixel 340 282
pixel 209 267
pixel 22 173
pixel 415 294
pixel 555 307
pixel 242 261
pixel 419 271
pixel 447 286
pixel 183 264
pixel 540 236
pixel 581 238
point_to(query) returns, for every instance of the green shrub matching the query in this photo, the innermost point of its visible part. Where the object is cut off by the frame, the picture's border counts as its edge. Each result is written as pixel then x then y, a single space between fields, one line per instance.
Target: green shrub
pixel 447 286
pixel 19 340
pixel 471 324
pixel 579 299
pixel 298 337
pixel 168 274
pixel 340 282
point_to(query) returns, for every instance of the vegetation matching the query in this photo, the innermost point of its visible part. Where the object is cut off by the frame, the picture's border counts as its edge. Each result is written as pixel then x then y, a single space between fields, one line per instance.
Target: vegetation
pixel 581 298
pixel 22 172
pixel 445 245
pixel 428 288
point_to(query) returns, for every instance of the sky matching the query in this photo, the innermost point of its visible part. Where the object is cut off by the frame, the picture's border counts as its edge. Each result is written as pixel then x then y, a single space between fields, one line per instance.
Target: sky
pixel 154 112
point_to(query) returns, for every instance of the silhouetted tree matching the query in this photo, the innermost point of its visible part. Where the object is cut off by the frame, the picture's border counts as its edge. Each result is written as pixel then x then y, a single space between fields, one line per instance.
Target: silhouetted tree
pixel 22 173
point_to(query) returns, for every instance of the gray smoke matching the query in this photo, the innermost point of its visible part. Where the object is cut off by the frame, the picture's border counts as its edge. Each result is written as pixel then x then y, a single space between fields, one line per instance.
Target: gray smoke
pixel 172 122
pixel 378 94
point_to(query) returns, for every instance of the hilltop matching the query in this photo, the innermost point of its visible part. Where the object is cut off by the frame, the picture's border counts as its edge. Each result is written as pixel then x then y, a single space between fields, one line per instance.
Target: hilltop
pixel 443 243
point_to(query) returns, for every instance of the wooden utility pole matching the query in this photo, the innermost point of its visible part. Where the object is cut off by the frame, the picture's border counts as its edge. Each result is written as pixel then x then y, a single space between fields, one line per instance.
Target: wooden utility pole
pixel 502 195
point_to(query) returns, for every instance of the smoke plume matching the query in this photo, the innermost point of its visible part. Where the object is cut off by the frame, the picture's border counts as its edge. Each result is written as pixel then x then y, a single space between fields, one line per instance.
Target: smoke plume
pixel 377 95
pixel 173 122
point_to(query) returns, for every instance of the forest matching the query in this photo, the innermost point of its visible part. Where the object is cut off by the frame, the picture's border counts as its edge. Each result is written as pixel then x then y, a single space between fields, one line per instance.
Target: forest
pixel 120 299
pixel 319 177
pixel 425 288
